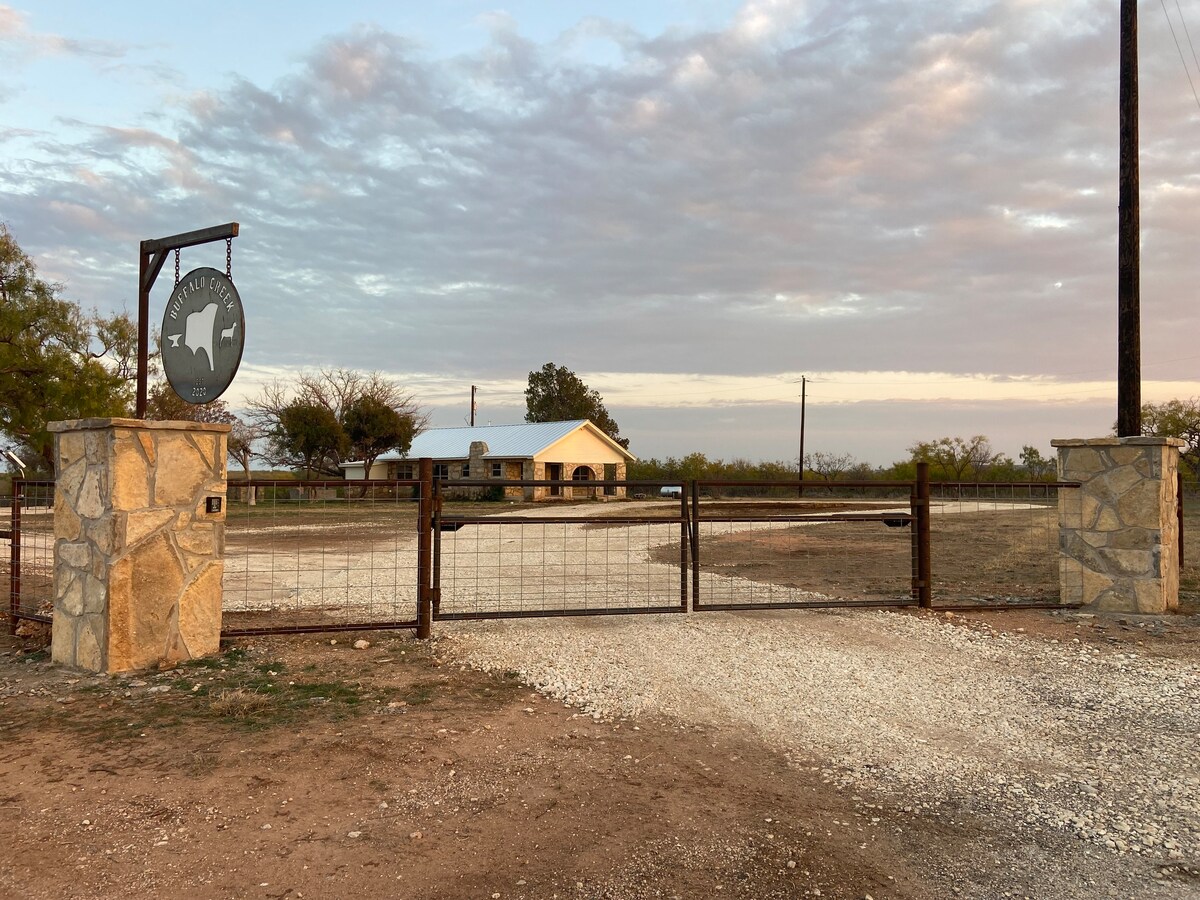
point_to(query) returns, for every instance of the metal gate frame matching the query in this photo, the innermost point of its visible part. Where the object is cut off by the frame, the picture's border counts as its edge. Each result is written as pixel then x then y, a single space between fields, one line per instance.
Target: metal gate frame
pixel 440 522
pixel 917 518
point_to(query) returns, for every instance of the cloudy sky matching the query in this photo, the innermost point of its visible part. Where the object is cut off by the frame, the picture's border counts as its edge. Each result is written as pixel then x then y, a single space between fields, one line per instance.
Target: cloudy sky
pixel 690 204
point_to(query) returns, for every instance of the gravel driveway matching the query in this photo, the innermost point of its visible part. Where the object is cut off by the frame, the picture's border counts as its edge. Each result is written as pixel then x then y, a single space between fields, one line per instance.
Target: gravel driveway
pixel 1060 739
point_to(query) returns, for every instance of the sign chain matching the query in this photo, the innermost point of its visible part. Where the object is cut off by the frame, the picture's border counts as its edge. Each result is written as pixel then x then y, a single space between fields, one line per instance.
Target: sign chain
pixel 229 258
pixel 176 267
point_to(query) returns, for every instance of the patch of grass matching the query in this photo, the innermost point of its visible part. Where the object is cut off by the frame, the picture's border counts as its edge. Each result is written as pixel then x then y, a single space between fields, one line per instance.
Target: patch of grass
pixel 420 693
pixel 239 703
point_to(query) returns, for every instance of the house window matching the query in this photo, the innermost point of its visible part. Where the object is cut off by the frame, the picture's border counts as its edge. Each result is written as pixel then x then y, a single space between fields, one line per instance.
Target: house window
pixel 466 470
pixel 403 471
pixel 497 470
pixel 441 471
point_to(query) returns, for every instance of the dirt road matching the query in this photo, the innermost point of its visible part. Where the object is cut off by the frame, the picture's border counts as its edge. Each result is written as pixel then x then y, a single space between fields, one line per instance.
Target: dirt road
pixel 296 767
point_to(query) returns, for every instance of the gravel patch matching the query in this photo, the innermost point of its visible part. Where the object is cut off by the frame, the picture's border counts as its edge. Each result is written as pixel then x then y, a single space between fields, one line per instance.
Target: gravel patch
pixel 1061 738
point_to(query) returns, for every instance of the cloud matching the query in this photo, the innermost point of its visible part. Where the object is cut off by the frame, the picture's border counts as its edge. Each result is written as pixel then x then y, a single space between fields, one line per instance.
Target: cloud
pixel 813 187
pixel 21 41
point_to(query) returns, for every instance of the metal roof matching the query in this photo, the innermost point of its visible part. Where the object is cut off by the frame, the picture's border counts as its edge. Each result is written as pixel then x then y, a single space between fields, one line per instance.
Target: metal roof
pixel 521 441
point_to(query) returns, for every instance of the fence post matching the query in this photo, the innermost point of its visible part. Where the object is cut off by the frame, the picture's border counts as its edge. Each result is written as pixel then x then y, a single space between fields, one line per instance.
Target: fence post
pixel 435 582
pixel 923 580
pixel 1179 513
pixel 684 529
pixel 695 547
pixel 14 558
pixel 424 551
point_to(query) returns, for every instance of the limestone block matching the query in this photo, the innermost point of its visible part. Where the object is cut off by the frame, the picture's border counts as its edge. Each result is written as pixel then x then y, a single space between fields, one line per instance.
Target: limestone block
pixel 144 522
pixel 1122 479
pixel 1089 508
pixel 1126 456
pixel 95 594
pixel 1094 585
pixel 67 526
pixel 1107 519
pixel 198 539
pixel 90 503
pixel 1074 546
pixel 1070 508
pixel 1132 539
pixel 102 533
pixel 1139 506
pixel 143 594
pixel 146 442
pixel 62 640
pixel 89 644
pixel 1081 463
pixel 95 447
pixel 1070 580
pixel 1119 598
pixel 69 479
pixel 69 597
pixel 200 612
pixel 130 476
pixel 76 554
pixel 1150 597
pixel 70 450
pixel 180 472
pixel 1129 562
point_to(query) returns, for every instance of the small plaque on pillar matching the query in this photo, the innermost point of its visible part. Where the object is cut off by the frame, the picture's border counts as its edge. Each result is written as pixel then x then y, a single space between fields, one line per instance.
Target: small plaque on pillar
pixel 212 505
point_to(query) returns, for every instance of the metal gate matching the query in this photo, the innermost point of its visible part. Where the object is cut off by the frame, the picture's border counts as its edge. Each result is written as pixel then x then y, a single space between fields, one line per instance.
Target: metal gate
pixel 27 568
pixel 763 545
pixel 556 562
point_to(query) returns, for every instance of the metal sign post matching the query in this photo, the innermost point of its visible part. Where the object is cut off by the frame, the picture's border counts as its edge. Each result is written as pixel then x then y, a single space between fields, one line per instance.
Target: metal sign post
pixel 150 262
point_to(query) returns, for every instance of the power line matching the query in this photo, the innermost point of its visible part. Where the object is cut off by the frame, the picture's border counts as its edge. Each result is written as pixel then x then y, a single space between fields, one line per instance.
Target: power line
pixel 1186 69
pixel 1188 35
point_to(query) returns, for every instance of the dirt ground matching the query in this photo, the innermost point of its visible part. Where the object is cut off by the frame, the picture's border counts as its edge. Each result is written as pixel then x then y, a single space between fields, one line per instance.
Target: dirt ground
pixel 303 767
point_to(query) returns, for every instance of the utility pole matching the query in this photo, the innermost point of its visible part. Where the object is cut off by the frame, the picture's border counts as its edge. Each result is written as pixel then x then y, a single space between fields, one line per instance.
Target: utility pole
pixel 472 406
pixel 803 392
pixel 1129 339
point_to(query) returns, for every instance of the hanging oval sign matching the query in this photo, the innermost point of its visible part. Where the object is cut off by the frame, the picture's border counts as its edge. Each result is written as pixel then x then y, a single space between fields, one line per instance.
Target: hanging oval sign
pixel 203 334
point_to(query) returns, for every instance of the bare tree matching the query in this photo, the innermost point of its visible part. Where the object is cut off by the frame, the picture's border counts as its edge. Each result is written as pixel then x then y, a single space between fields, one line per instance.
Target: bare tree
pixel 342 394
pixel 829 466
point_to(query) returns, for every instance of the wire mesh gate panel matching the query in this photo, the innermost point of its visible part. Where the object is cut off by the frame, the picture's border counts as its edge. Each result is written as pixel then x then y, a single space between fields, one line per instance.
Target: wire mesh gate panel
pixel 559 562
pixel 995 545
pixel 763 545
pixel 320 556
pixel 27 551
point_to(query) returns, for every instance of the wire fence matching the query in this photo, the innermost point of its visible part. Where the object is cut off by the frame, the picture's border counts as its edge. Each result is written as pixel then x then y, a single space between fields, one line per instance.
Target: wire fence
pixel 592 559
pixel 839 544
pixel 335 555
pixel 320 556
pixel 995 544
pixel 27 551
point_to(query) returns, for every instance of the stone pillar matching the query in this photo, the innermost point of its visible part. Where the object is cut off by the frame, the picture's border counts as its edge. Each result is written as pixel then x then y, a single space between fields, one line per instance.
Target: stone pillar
pixel 138 544
pixel 1118 534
